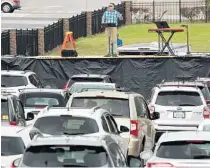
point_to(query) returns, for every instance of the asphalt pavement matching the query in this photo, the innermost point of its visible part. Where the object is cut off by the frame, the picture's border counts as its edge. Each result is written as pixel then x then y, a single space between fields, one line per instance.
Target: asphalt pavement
pixel 40 13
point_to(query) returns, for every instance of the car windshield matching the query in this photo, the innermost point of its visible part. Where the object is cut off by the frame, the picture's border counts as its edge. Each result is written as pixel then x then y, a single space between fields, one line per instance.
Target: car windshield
pixel 42 99
pixel 59 125
pixel 84 79
pixel 206 127
pixel 184 150
pixel 179 98
pixel 77 87
pixel 13 81
pixel 11 146
pixel 118 107
pixel 65 156
pixel 4 107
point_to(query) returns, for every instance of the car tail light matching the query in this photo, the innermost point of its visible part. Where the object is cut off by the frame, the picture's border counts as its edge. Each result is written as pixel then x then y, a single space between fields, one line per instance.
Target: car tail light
pixel 12 166
pixel 159 165
pixel 65 87
pixel 206 112
pixel 151 109
pixel 13 123
pixel 15 1
pixel 134 128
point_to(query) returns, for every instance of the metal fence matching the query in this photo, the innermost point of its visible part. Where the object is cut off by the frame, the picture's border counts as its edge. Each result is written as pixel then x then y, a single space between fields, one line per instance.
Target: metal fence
pixel 53 35
pixel 97 16
pixel 176 11
pixel 5 43
pixel 78 24
pixel 27 42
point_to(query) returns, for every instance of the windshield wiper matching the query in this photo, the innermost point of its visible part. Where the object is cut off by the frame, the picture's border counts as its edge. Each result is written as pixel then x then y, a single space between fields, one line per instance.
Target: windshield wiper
pixel 73 165
pixel 67 133
pixel 3 154
pixel 117 115
pixel 201 157
pixel 187 105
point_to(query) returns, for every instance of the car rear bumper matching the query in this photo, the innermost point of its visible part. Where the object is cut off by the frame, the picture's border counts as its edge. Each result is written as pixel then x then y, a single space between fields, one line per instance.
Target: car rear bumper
pixel 134 147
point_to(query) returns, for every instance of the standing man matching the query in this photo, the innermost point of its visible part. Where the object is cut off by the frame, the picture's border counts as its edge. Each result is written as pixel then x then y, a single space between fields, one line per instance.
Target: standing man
pixel 110 21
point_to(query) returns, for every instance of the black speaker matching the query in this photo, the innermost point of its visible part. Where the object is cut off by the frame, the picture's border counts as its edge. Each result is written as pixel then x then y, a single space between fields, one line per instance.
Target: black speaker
pixel 69 53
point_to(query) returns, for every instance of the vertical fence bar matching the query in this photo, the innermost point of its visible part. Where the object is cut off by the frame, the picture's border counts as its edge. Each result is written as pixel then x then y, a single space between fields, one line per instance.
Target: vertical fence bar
pixel 180 11
pixel 153 11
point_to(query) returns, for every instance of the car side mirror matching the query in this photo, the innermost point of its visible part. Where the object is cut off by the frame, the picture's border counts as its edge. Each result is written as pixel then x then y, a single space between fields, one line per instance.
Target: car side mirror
pixel 134 162
pixel 146 155
pixel 34 131
pixel 155 115
pixel 30 116
pixel 124 129
pixel 16 162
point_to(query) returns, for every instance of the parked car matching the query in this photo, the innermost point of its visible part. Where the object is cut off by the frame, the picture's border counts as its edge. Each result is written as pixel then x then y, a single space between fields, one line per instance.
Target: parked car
pixel 12 110
pixel 72 151
pixel 60 121
pixel 34 100
pixel 181 108
pixel 128 109
pixel 204 125
pixel 8 6
pixel 87 86
pixel 13 144
pixel 87 78
pixel 14 81
pixel 203 86
pixel 180 149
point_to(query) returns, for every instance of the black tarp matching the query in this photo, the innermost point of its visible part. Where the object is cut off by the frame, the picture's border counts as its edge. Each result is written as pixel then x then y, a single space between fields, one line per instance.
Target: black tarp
pixel 136 74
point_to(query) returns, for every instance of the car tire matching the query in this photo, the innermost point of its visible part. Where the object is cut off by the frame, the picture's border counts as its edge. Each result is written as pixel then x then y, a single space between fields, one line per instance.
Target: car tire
pixel 6 8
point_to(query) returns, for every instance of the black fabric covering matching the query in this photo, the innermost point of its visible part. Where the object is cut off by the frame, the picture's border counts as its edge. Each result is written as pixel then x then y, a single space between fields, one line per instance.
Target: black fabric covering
pixel 136 74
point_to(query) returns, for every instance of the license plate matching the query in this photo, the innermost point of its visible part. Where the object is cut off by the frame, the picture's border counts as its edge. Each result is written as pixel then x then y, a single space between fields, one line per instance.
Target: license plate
pixel 179 115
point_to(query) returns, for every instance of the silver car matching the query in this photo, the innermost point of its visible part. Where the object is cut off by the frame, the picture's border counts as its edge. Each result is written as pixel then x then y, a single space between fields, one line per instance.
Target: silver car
pixel 8 6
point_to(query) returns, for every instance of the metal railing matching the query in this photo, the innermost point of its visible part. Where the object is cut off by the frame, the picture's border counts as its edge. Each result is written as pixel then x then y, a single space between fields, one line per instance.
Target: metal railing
pixel 78 24
pixel 177 11
pixel 27 42
pixel 5 43
pixel 53 35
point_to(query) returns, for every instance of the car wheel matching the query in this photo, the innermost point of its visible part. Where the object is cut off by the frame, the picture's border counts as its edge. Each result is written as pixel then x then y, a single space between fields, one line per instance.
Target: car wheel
pixel 6 8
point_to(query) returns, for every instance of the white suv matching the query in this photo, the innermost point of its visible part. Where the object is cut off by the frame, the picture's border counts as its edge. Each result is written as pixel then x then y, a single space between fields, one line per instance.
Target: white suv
pixel 128 109
pixel 79 121
pixel 72 151
pixel 13 81
pixel 181 108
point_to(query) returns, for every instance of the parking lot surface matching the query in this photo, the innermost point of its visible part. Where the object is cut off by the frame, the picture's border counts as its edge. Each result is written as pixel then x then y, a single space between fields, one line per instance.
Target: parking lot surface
pixel 37 14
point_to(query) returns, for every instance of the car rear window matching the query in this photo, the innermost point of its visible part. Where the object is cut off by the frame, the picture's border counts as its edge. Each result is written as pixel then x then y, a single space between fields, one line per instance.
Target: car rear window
pixel 42 99
pixel 65 156
pixel 77 87
pixel 57 125
pixel 13 81
pixel 4 107
pixel 184 150
pixel 179 98
pixel 117 107
pixel 84 79
pixel 208 83
pixel 11 146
